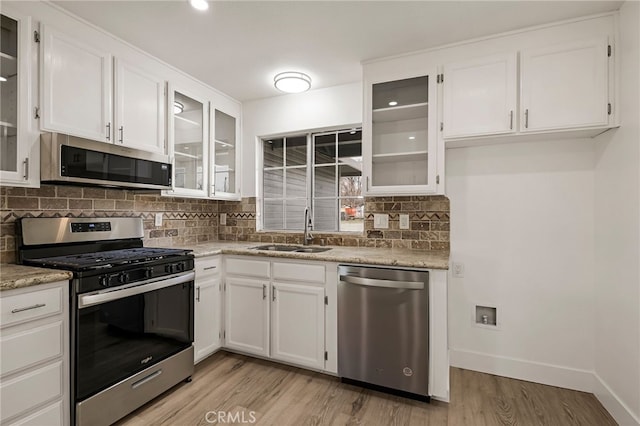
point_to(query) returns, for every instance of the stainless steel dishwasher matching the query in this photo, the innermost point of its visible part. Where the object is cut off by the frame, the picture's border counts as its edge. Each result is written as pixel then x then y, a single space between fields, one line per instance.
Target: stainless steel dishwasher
pixel 383 329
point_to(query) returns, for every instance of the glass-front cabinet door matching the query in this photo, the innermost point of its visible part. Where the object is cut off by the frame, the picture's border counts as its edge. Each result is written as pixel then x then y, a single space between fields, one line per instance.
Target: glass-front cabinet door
pixel 189 130
pixel 17 143
pixel 400 125
pixel 225 166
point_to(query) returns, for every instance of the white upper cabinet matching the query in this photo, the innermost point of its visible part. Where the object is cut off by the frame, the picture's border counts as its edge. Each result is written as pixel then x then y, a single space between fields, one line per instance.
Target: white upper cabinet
pixel 400 146
pixel 188 142
pixel 139 108
pixel 19 143
pixel 225 150
pixel 480 96
pixel 565 86
pixel 87 94
pixel 76 86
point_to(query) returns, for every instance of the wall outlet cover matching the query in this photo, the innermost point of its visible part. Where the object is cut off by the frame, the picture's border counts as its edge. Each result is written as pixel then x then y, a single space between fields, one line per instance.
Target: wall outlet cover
pixel 223 218
pixel 381 221
pixel 404 221
pixel 458 269
pixel 158 219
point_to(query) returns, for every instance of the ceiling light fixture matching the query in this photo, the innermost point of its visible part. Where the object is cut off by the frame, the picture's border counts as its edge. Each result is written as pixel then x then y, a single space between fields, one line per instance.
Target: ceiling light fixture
pixel 393 103
pixel 199 4
pixel 292 82
pixel 178 107
pixel 411 138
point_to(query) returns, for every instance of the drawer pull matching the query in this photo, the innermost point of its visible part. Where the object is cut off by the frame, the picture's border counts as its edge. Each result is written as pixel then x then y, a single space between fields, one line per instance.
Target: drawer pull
pixel 28 308
pixel 209 267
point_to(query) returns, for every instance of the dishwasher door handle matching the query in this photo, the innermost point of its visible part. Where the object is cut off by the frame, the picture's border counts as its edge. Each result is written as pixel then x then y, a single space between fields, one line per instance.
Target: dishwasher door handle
pixel 370 282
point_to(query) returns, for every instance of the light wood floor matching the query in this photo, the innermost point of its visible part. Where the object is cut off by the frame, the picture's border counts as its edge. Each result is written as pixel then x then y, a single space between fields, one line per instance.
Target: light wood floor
pixel 281 395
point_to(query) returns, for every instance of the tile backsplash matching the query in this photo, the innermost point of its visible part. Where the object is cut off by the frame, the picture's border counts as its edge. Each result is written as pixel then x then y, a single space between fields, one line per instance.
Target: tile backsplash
pixel 189 221
pixel 185 221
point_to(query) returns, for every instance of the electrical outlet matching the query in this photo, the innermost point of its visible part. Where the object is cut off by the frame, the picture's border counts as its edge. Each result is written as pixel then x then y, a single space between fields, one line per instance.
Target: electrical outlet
pixel 381 221
pixel 158 219
pixel 458 270
pixel 223 218
pixel 404 221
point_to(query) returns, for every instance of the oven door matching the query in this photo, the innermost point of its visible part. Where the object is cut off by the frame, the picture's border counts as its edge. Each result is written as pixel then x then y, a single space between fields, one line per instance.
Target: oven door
pixel 119 332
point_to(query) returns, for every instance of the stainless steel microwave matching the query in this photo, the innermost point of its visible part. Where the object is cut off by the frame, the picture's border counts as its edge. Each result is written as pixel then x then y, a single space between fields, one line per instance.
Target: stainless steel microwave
pixel 70 159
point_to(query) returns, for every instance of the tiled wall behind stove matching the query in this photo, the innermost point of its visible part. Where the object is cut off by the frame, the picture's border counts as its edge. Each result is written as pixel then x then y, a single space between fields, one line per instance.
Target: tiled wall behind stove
pixel 185 221
pixel 428 224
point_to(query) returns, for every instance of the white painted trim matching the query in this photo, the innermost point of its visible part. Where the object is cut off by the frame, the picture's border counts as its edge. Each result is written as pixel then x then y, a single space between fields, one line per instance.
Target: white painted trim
pixel 547 374
pixel 531 371
pixel 612 403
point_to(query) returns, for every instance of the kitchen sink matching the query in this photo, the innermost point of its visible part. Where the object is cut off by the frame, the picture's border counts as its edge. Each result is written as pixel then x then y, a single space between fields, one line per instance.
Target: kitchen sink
pixel 297 249
pixel 313 249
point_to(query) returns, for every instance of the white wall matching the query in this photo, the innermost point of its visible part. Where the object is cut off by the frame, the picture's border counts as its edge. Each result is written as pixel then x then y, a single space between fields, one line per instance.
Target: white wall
pixel 617 215
pixel 316 109
pixel 522 223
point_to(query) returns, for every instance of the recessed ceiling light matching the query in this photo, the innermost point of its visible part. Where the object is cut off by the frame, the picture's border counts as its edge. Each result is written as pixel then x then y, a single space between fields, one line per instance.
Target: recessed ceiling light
pixel 411 138
pixel 292 82
pixel 393 103
pixel 199 4
pixel 3 79
pixel 178 107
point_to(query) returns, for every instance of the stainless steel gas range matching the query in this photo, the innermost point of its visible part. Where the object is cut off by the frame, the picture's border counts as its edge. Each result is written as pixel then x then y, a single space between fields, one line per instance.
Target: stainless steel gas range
pixel 131 311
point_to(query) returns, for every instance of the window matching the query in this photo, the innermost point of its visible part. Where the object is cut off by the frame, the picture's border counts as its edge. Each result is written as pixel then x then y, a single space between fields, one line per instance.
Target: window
pixel 320 170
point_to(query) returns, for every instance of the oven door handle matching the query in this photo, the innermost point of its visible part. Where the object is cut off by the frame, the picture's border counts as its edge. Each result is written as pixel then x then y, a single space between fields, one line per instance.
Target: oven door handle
pixel 144 287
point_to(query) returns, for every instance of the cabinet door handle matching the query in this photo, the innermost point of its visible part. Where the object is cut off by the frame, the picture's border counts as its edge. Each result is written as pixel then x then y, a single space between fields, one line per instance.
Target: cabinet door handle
pixel 26 168
pixel 121 134
pixel 109 131
pixel 208 268
pixel 273 294
pixel 367 183
pixel 198 294
pixel 511 120
pixel 526 118
pixel 28 308
pixel 264 291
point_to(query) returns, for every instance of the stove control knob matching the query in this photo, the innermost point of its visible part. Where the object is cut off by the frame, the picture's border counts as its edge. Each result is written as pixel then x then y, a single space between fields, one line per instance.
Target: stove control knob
pixel 104 281
pixel 123 277
pixel 180 266
pixel 169 269
pixel 148 273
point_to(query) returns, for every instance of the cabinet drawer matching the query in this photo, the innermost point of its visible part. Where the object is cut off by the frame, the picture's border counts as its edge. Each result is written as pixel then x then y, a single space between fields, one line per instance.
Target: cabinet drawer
pixel 300 272
pixel 248 268
pixel 207 266
pixel 29 390
pixel 27 306
pixel 28 347
pixel 51 415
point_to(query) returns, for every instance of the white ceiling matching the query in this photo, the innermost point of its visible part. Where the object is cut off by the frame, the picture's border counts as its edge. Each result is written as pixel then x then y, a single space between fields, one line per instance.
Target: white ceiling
pixel 238 46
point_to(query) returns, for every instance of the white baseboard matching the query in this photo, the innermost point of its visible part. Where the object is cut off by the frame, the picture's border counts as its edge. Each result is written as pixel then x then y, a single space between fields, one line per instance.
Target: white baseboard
pixel 618 409
pixel 546 374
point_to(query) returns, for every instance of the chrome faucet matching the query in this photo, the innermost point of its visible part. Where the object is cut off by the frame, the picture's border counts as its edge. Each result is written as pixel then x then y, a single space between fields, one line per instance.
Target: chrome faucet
pixel 308 238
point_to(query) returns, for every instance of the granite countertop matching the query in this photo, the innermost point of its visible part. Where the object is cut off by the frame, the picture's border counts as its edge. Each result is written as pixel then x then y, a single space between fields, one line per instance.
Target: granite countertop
pixel 428 259
pixel 19 276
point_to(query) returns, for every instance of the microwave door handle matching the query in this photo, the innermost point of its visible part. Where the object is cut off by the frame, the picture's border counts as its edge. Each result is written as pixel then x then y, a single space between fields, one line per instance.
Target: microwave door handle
pixel 142 287
pixel 370 282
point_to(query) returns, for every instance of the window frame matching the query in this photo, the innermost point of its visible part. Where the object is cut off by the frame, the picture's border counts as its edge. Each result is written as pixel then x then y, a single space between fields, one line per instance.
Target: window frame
pixel 310 168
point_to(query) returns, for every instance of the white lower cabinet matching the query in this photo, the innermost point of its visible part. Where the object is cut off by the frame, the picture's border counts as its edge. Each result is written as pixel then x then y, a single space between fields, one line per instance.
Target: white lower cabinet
pixel 207 307
pixel 277 310
pixel 247 315
pixel 34 341
pixel 297 324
